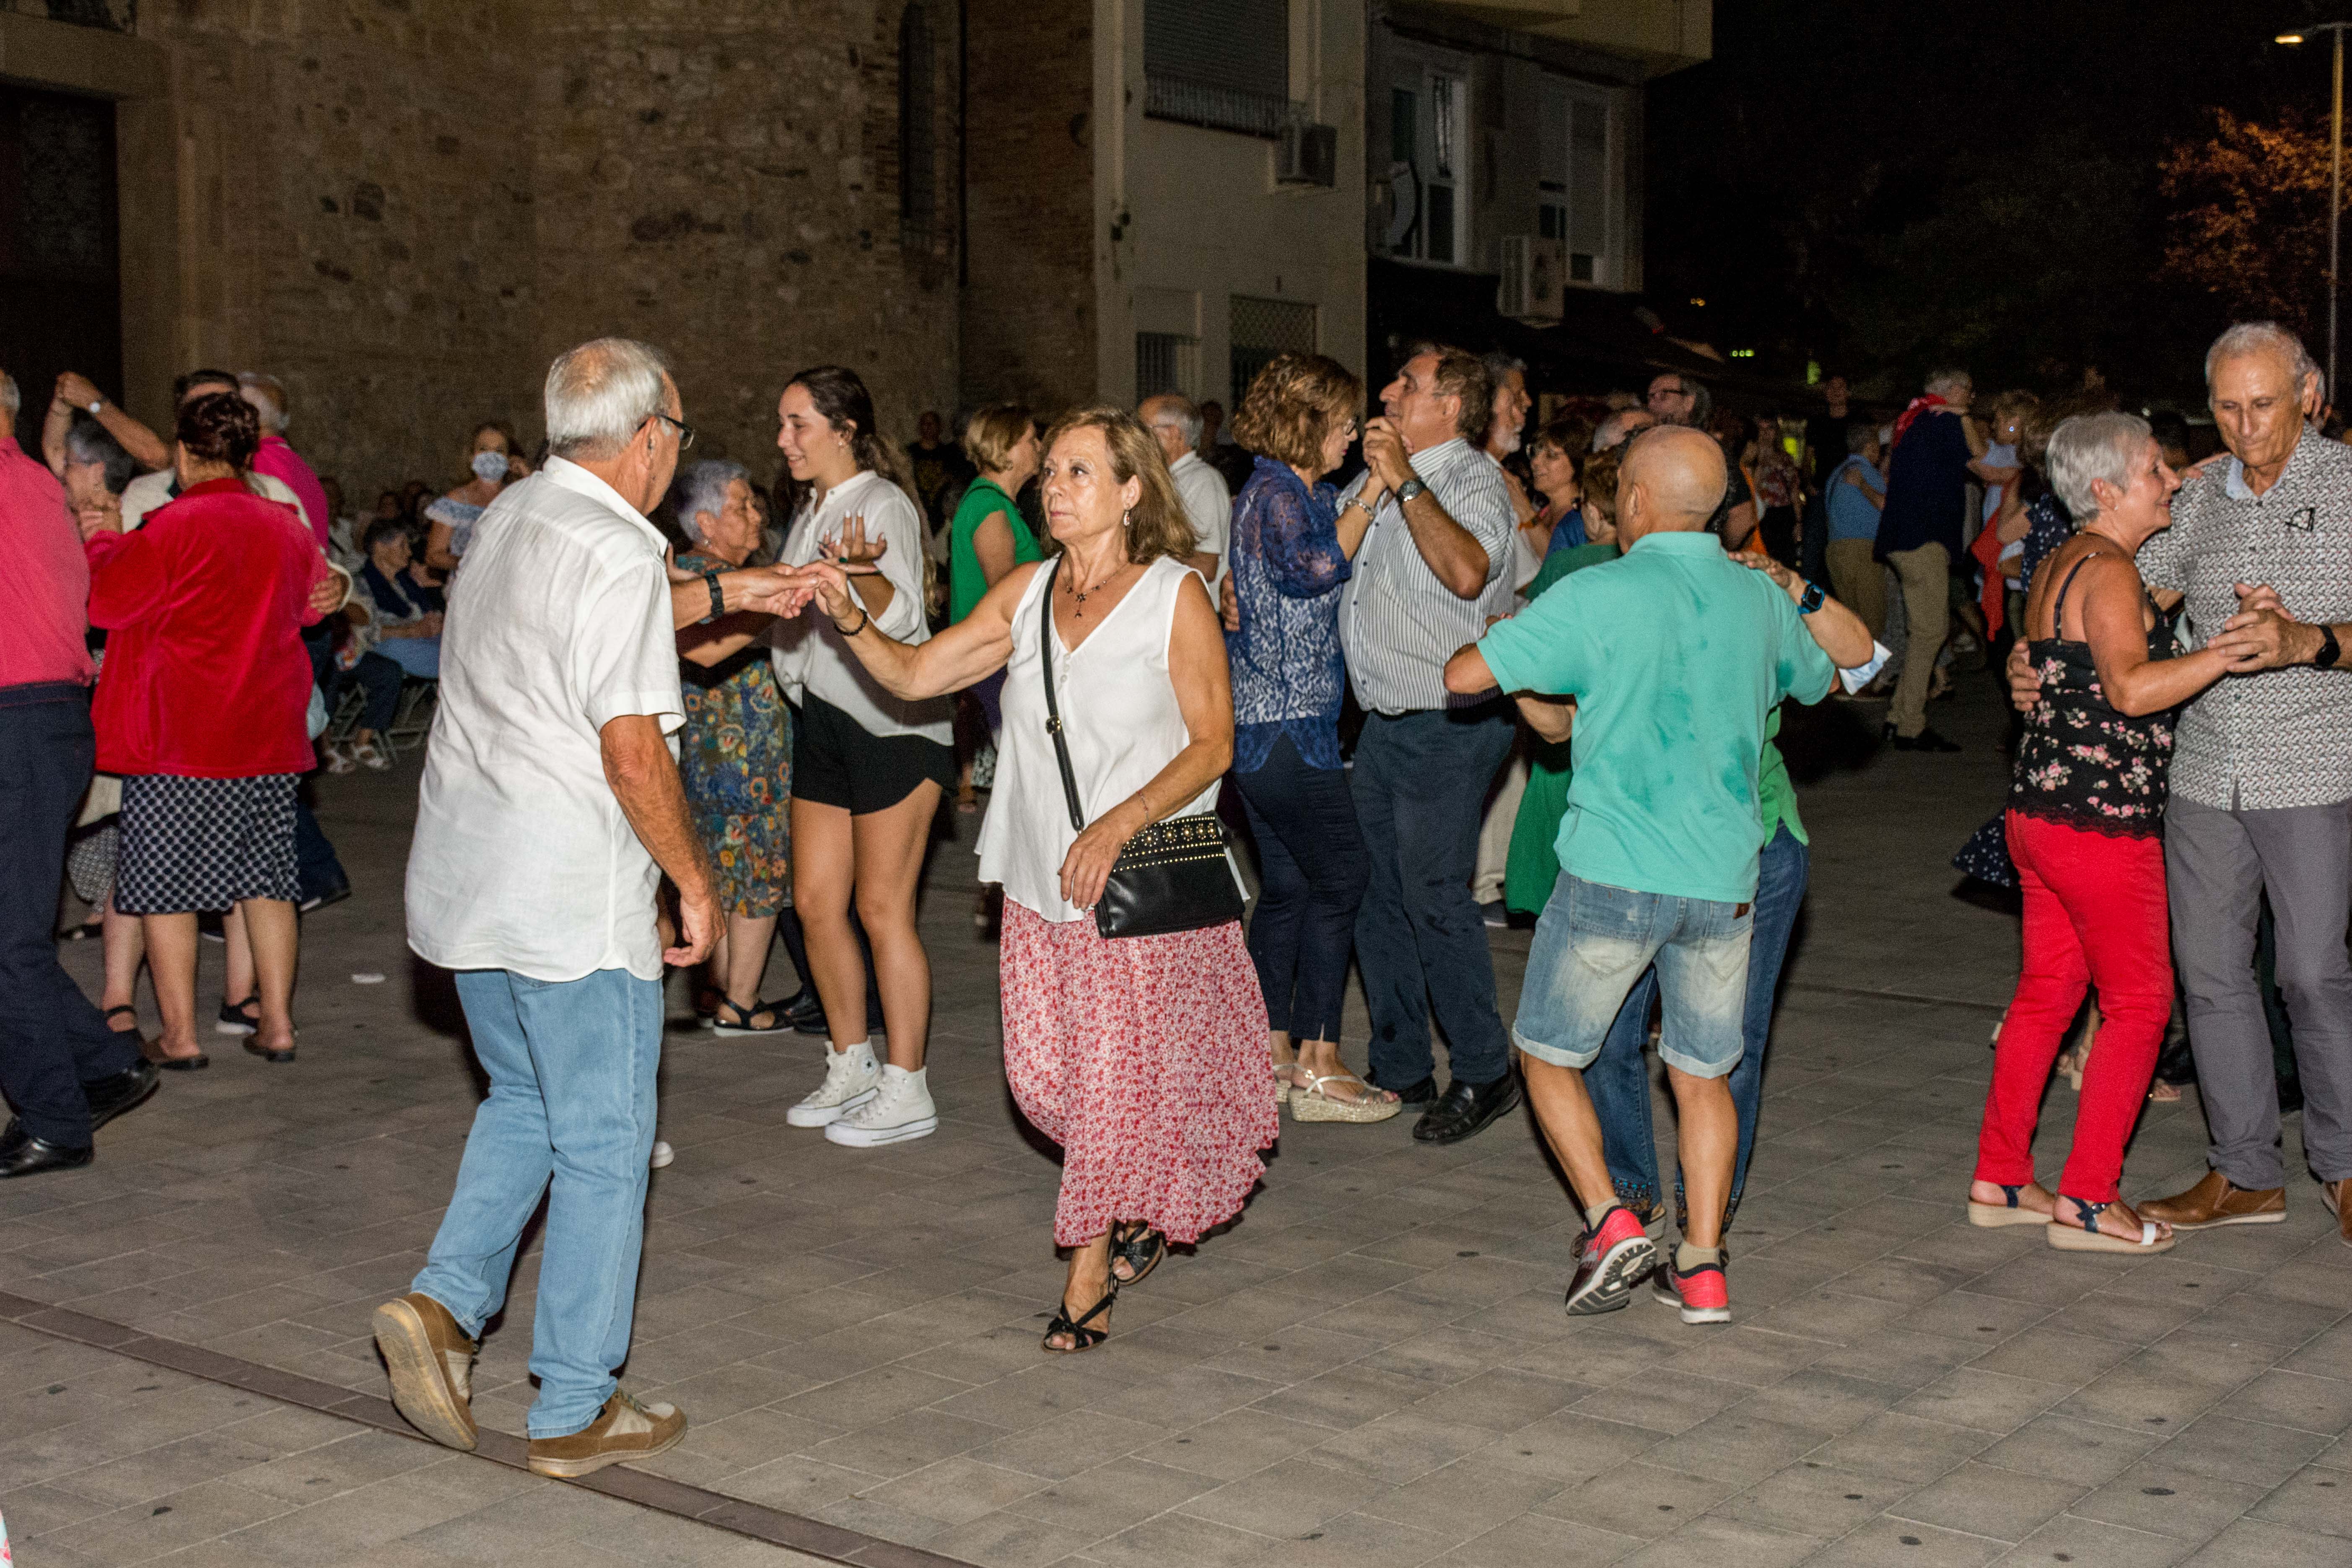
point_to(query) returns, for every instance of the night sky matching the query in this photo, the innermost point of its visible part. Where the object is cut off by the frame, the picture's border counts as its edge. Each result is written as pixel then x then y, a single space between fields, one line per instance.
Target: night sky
pixel 1882 185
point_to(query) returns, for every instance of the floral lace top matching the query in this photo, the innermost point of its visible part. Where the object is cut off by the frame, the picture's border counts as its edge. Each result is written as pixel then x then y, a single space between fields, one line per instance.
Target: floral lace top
pixel 2080 763
pixel 1288 671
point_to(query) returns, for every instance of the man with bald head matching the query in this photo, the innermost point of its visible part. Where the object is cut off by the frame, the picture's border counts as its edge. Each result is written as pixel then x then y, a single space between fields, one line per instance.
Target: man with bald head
pixel 1674 657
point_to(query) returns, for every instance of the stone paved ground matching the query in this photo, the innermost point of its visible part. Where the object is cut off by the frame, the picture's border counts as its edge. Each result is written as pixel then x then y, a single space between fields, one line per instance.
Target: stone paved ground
pixel 1372 1367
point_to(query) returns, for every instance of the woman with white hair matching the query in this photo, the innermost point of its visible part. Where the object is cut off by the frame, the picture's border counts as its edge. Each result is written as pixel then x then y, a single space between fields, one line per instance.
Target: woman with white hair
pixel 2085 825
pixel 735 756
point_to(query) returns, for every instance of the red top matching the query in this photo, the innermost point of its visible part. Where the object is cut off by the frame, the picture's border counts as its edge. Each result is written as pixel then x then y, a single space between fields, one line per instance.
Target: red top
pixel 280 461
pixel 206 673
pixel 45 580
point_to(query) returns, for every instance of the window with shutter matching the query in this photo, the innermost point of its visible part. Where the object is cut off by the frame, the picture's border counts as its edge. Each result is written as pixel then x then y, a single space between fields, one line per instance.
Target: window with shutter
pixel 1223 64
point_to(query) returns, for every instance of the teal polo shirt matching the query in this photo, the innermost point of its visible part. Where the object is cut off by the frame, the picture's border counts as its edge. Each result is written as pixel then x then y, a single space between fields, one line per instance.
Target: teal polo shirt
pixel 1675 657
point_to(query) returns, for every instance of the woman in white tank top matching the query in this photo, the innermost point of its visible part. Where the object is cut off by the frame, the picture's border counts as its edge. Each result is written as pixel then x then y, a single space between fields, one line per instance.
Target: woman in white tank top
pixel 1144 1056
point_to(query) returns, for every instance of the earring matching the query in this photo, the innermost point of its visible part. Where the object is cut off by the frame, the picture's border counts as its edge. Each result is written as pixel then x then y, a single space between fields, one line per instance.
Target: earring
pixel 1126 517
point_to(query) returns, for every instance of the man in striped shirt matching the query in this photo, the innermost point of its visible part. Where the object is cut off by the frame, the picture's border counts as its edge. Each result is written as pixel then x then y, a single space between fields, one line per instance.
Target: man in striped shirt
pixel 1433 570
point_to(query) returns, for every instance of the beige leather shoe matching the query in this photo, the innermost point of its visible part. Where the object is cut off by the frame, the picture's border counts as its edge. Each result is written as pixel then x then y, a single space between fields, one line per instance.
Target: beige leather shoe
pixel 432 1365
pixel 626 1430
pixel 2337 1196
pixel 2215 1202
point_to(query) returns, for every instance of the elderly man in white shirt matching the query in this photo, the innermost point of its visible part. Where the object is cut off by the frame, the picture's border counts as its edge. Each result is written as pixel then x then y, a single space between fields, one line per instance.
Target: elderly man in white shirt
pixel 1175 424
pixel 550 811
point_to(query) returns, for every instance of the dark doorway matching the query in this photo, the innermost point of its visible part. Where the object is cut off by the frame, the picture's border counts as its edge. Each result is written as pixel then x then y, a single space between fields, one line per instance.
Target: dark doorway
pixel 60 273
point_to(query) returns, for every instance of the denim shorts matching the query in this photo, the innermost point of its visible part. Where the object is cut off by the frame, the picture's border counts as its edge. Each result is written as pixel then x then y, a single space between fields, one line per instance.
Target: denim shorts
pixel 1591 945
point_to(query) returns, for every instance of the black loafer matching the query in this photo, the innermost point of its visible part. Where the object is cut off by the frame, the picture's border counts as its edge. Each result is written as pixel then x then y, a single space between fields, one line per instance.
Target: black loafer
pixel 1465 1110
pixel 22 1154
pixel 1925 741
pixel 113 1095
pixel 1421 1093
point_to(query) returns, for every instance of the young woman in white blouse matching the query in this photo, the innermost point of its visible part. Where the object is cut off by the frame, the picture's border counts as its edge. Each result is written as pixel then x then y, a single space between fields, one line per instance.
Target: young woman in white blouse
pixel 1144 1056
pixel 868 768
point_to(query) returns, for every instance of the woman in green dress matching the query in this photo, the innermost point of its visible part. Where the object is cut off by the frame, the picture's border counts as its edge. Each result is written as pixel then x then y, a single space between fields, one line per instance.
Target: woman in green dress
pixel 987 538
pixel 1533 865
pixel 735 760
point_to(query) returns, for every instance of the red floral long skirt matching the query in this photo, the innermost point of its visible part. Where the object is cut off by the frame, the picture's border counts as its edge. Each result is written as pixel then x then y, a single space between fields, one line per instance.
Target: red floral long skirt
pixel 1145 1059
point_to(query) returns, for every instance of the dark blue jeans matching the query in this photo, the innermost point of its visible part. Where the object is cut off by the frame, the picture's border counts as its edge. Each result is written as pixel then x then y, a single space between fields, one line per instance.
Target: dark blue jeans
pixel 1311 859
pixel 52 1038
pixel 1619 1081
pixel 1419 781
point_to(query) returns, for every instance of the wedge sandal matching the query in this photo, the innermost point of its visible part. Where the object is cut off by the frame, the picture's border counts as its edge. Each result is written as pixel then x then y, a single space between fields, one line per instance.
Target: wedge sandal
pixel 2086 1235
pixel 1992 1217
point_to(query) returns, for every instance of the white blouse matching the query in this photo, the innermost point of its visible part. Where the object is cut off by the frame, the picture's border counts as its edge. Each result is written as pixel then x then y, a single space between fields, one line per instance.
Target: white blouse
pixel 810 657
pixel 1119 716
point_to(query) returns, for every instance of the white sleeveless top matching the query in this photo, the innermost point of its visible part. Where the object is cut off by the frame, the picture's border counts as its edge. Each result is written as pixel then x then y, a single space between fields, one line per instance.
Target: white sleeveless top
pixel 1118 715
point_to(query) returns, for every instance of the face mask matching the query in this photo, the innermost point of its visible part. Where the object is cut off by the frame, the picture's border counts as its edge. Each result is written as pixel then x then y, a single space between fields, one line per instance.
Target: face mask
pixel 490 466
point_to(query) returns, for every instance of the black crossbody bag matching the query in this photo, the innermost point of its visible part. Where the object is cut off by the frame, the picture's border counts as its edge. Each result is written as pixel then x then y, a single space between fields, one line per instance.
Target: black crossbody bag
pixel 1173 875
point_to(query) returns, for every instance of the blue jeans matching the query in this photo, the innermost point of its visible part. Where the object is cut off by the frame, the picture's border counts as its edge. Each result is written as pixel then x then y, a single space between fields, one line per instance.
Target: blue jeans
pixel 572 1102
pixel 1619 1081
pixel 1419 781
pixel 419 657
pixel 1594 944
pixel 1312 858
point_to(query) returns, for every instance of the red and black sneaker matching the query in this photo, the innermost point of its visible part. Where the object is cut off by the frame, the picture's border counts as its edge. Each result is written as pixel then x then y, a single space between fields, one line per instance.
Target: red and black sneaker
pixel 1703 1294
pixel 1617 1253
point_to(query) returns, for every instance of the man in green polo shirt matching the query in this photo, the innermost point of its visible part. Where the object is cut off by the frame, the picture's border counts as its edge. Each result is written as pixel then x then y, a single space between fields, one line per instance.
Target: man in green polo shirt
pixel 1675 657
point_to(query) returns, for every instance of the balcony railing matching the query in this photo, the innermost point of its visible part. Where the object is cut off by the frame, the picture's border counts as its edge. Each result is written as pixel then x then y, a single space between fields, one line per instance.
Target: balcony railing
pixel 1217 108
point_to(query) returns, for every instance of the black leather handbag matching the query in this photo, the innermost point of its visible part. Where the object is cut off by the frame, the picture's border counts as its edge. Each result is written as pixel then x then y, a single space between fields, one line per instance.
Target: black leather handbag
pixel 1172 876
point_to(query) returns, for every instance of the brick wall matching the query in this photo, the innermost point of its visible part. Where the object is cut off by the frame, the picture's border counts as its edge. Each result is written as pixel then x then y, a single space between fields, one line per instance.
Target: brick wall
pixel 1029 315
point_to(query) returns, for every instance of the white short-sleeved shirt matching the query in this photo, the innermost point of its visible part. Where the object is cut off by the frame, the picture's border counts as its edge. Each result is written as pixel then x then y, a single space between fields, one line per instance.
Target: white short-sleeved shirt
pixel 559 624
pixel 149 491
pixel 811 656
pixel 1208 506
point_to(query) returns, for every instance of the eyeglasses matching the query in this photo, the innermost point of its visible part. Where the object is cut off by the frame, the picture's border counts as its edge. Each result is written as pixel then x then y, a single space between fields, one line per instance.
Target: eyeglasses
pixel 685 431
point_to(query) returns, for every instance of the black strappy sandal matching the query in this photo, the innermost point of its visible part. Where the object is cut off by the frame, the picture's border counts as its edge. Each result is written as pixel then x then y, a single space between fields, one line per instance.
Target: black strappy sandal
pixel 1138 1246
pixel 233 1019
pixel 2082 1233
pixel 1989 1217
pixel 740 1022
pixel 1082 1338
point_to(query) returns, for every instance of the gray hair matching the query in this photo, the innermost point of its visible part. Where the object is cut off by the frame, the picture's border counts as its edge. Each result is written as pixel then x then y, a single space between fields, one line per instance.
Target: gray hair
pixel 268 395
pixel 2090 448
pixel 601 393
pixel 2262 337
pixel 1610 432
pixel 10 399
pixel 1500 364
pixel 1942 381
pixel 1173 408
pixel 89 442
pixel 703 488
pixel 1860 438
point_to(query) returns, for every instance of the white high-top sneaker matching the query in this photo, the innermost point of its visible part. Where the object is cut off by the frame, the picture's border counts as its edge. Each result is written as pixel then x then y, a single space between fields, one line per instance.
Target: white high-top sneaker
pixel 901 1109
pixel 850 1076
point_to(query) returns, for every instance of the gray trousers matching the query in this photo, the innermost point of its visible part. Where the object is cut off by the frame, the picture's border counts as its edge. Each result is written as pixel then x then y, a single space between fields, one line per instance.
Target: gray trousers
pixel 2217 865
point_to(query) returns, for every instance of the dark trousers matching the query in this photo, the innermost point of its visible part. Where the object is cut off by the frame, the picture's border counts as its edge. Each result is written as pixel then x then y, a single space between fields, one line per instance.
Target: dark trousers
pixel 51 1037
pixel 315 861
pixel 1419 781
pixel 1312 869
pixel 380 679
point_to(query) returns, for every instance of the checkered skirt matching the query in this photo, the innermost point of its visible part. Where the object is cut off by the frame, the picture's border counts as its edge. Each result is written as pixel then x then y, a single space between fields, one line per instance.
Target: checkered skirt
pixel 205 844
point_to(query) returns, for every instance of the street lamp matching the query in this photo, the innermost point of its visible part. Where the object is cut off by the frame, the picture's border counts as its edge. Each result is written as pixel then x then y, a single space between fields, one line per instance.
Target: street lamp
pixel 2335 178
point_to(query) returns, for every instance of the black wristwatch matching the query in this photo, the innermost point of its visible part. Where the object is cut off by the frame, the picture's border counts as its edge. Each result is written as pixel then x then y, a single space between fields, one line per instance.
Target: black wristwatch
pixel 1409 491
pixel 2329 650
pixel 718 599
pixel 1814 600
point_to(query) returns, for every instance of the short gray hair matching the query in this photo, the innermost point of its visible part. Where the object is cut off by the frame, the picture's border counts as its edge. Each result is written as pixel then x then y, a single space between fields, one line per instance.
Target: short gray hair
pixel 1939 382
pixel 10 399
pixel 269 398
pixel 1500 364
pixel 2089 447
pixel 1176 409
pixel 601 393
pixel 703 488
pixel 2262 337
pixel 88 443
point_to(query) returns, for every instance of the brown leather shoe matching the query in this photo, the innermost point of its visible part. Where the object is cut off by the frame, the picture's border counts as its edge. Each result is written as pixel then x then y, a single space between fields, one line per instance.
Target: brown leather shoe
pixel 626 1430
pixel 2337 1196
pixel 432 1365
pixel 2214 1201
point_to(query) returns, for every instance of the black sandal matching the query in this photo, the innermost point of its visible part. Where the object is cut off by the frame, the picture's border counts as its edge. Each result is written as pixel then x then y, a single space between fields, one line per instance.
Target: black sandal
pixel 1138 1246
pixel 741 1023
pixel 1082 1338
pixel 233 1019
pixel 149 1050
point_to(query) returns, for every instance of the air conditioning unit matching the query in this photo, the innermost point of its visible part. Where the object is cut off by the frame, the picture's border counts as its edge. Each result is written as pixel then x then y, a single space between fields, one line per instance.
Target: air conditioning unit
pixel 1534 270
pixel 1306 155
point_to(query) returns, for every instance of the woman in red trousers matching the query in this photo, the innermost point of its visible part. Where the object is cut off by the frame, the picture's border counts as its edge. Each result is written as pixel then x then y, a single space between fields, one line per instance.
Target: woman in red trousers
pixel 2086 827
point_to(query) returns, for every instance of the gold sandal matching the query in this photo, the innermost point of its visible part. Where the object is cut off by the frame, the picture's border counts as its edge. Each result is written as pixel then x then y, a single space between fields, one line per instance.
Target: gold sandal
pixel 1311 1104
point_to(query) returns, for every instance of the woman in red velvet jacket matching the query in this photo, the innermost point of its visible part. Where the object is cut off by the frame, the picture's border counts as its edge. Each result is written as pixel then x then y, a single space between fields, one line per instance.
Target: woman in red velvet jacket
pixel 202 707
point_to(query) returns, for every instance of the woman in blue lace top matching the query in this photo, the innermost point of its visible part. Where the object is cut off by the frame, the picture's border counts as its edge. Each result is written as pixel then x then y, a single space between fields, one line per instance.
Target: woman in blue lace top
pixel 1290 551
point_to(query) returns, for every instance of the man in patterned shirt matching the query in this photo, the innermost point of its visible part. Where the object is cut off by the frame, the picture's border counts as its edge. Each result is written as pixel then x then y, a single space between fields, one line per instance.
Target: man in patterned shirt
pixel 2261 552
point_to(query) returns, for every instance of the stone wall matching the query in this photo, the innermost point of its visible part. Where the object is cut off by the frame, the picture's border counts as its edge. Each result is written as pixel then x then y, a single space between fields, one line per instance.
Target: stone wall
pixel 1029 310
pixel 405 207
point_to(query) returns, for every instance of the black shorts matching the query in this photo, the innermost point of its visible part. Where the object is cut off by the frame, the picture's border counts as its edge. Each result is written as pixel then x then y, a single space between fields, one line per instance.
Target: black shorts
pixel 835 762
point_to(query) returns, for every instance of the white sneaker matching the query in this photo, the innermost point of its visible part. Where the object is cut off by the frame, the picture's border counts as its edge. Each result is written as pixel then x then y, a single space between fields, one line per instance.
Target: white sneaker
pixel 851 1077
pixel 901 1109
pixel 663 1155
